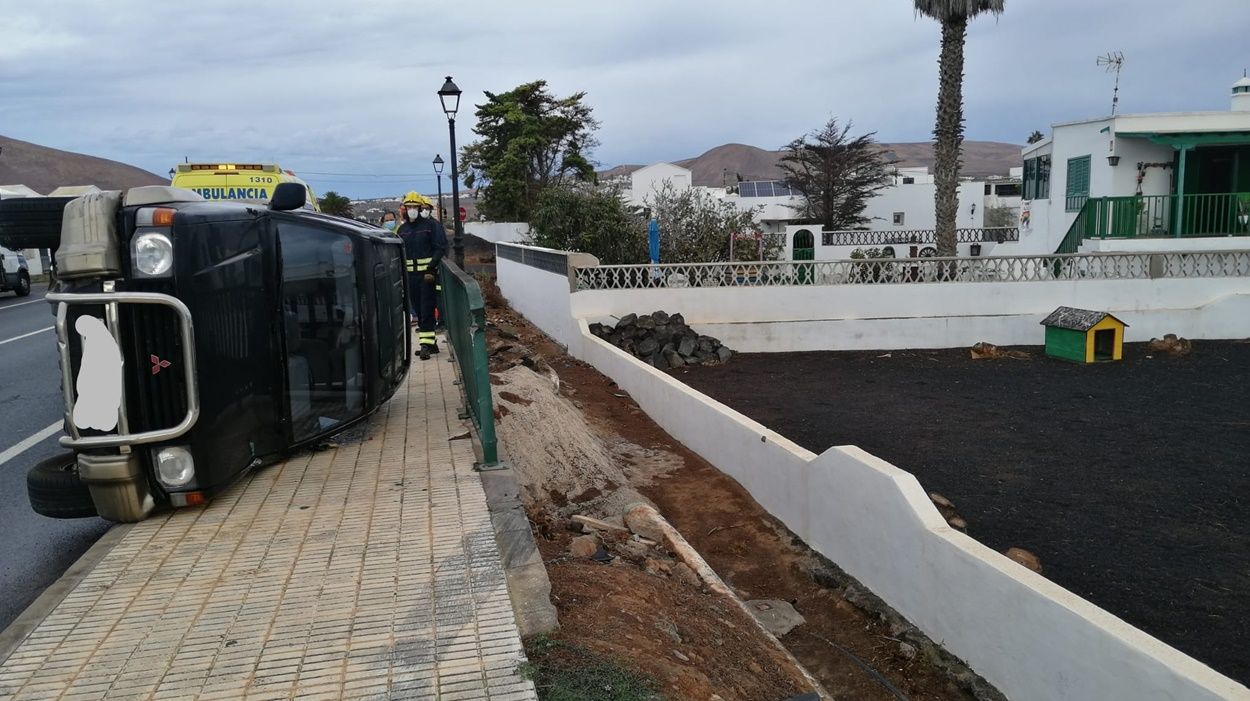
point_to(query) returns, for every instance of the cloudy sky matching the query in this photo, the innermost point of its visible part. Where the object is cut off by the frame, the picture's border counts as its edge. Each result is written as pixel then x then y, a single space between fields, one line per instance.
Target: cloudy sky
pixel 344 92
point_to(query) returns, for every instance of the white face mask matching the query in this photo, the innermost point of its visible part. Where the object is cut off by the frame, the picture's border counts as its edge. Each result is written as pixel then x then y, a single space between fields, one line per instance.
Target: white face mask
pixel 413 212
pixel 425 214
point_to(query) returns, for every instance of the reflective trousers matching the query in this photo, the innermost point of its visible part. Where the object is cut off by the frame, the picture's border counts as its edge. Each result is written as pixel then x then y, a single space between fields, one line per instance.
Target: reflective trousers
pixel 424 296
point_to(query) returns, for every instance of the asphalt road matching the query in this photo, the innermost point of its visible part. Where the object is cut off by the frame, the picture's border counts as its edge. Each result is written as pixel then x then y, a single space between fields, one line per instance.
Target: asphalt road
pixel 34 550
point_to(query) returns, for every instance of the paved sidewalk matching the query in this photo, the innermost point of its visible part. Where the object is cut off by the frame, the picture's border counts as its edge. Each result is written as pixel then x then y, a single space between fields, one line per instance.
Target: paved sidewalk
pixel 369 570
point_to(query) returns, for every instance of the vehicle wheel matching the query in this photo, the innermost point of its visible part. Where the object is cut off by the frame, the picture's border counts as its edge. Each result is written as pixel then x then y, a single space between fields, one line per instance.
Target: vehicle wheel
pixel 55 490
pixel 31 222
pixel 928 252
pixel 23 284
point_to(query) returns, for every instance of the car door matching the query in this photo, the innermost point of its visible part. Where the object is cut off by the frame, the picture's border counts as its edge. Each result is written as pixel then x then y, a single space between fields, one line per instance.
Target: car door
pixel 321 317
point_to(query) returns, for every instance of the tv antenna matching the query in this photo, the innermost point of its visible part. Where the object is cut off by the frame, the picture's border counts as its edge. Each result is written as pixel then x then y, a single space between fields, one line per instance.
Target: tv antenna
pixel 1113 62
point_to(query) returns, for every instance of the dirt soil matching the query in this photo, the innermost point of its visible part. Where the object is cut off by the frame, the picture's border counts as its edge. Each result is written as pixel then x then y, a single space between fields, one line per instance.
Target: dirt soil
pixel 695 643
pixel 1129 481
pixel 640 618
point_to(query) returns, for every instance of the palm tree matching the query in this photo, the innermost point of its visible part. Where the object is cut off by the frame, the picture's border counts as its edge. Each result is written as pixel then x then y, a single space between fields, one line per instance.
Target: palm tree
pixel 948 134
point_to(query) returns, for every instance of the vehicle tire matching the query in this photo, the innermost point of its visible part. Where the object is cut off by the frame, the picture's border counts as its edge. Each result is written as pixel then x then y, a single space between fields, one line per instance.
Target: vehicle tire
pixel 31 222
pixel 55 490
pixel 23 284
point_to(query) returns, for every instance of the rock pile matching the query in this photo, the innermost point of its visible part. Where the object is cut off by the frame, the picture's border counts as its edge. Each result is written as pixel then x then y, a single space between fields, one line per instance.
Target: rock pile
pixel 1171 345
pixel 628 543
pixel 663 340
pixel 983 350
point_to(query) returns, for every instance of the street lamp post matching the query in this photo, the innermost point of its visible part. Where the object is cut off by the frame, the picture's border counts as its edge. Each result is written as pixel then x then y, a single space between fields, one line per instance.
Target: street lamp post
pixel 438 170
pixel 449 96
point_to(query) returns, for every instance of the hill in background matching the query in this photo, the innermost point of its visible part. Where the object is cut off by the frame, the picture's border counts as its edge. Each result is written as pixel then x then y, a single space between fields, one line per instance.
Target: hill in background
pixel 722 165
pixel 45 169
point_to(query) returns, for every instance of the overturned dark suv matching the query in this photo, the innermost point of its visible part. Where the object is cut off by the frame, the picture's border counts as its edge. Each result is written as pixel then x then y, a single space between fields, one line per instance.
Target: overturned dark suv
pixel 199 340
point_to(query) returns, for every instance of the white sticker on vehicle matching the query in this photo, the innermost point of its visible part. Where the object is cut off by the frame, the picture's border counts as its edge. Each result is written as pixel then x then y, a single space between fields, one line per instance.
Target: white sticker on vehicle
pixel 99 377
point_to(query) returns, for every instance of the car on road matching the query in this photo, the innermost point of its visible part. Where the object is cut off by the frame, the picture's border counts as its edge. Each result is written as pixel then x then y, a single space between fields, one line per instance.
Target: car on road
pixel 199 340
pixel 15 275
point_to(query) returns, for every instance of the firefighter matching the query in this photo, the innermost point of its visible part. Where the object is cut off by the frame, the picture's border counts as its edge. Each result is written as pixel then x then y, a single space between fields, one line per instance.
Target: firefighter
pixel 425 244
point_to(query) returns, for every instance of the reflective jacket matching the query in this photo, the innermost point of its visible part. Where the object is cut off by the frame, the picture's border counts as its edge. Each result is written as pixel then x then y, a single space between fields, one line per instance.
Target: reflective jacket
pixel 425 244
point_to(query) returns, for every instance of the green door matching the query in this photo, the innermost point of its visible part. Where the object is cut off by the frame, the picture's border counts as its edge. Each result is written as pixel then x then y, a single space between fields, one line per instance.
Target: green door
pixel 804 249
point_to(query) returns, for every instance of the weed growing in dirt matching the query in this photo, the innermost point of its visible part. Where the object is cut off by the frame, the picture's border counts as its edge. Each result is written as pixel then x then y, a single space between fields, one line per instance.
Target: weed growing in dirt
pixel 563 671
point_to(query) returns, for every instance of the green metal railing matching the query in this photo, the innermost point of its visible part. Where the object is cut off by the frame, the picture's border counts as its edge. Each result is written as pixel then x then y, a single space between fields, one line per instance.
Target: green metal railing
pixel 1159 216
pixel 463 311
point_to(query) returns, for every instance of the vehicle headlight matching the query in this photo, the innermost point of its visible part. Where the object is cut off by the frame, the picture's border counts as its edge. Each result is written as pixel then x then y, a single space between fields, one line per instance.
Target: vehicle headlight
pixel 153 254
pixel 174 466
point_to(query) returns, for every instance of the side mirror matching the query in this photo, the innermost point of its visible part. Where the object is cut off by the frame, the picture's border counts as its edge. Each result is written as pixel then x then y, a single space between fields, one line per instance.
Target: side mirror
pixel 288 196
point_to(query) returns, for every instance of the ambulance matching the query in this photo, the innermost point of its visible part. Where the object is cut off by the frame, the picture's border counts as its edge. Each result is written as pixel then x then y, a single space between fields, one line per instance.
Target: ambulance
pixel 237 182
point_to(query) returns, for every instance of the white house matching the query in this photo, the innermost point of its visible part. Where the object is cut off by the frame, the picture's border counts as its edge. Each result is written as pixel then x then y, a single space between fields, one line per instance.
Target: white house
pixel 900 218
pixel 1005 192
pixel 901 222
pixel 645 182
pixel 773 201
pixel 1140 181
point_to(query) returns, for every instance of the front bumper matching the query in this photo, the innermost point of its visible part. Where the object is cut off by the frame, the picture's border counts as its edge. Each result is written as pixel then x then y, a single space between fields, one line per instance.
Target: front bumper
pixel 115 478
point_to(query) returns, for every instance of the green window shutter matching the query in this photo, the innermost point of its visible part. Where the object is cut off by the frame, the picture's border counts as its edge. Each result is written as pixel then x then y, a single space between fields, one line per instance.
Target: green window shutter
pixel 1078 183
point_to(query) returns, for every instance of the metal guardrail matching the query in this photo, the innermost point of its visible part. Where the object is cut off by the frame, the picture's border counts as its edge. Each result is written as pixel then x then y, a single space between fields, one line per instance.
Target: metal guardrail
pixel 463 310
pixel 551 261
pixel 884 237
pixel 1093 266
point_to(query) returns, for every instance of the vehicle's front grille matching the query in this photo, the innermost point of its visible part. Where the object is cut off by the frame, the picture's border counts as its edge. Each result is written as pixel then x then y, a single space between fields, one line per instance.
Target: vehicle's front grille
pixel 155 378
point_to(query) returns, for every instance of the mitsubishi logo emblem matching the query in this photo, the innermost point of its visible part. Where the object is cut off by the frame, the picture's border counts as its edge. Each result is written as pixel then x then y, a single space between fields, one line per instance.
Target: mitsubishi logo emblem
pixel 157 364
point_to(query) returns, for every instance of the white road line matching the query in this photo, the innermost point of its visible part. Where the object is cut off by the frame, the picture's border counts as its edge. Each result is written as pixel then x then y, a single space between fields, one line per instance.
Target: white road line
pixel 22 304
pixel 18 338
pixel 30 442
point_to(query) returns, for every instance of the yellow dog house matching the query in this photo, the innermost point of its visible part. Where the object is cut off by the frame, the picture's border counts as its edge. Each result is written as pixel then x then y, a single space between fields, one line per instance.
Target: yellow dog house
pixel 1084 336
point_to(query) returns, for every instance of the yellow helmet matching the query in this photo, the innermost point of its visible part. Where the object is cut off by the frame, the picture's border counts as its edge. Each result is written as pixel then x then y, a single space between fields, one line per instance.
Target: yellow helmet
pixel 414 199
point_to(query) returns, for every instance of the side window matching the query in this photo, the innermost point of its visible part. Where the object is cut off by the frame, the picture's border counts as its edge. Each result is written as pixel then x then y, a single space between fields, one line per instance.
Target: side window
pixel 321 316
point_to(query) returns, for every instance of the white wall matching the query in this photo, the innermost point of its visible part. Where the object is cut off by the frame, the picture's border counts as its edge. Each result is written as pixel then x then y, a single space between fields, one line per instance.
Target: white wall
pixel 496 232
pixel 933 315
pixel 1029 637
pixel 767 209
pixel 1161 245
pixel 1158 181
pixel 916 203
pixel 645 182
pixel 541 297
pixel 1074 141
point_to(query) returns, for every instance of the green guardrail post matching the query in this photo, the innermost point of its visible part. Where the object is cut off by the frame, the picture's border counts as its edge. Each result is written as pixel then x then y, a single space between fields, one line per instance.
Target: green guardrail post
pixel 465 311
